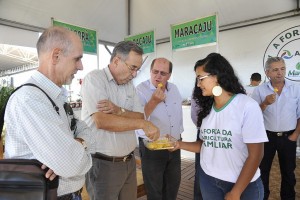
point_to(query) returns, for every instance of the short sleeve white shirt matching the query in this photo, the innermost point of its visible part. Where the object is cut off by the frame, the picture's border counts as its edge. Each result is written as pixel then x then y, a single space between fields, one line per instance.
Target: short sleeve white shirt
pixel 99 85
pixel 167 115
pixel 225 133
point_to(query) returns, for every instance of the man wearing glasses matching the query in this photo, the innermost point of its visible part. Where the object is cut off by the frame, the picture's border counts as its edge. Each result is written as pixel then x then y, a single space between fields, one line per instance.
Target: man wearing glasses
pixel 115 117
pixel 162 106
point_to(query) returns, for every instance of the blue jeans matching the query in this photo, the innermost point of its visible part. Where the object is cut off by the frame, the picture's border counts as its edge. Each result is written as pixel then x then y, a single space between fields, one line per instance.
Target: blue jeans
pixel 216 189
pixel 197 191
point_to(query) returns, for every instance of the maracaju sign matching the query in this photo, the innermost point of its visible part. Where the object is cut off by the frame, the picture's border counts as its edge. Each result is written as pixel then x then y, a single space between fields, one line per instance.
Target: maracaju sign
pixel 200 32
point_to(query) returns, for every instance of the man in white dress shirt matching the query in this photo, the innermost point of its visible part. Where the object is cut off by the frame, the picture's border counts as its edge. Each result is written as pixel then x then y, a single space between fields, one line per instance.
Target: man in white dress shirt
pixel 163 107
pixel 279 100
pixel 113 175
pixel 36 130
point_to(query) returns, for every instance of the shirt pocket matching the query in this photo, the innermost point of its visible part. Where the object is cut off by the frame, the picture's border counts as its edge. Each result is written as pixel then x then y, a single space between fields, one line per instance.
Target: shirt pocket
pixel 291 104
pixel 129 102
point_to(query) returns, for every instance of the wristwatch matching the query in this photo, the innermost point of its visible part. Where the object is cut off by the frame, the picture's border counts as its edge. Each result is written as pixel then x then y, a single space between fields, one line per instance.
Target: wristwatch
pixel 83 143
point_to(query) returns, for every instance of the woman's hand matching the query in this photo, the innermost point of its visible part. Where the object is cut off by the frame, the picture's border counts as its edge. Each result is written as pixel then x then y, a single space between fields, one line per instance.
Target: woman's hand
pixel 176 146
pixel 232 196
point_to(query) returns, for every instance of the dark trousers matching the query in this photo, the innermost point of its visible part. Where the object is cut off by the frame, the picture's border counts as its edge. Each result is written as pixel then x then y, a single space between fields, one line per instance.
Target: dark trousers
pixel 161 172
pixel 286 150
pixel 197 191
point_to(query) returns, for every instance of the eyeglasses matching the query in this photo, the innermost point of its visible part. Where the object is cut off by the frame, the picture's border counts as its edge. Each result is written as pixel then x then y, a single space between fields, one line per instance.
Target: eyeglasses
pixel 160 72
pixel 70 113
pixel 132 68
pixel 199 78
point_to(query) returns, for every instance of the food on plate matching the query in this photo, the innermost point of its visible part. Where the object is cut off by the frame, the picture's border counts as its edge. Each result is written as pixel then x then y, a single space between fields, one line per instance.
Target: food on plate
pixel 165 142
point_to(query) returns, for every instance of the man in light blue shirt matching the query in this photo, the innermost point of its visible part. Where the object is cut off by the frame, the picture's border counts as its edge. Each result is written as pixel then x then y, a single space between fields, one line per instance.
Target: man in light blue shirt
pixel 162 106
pixel 279 100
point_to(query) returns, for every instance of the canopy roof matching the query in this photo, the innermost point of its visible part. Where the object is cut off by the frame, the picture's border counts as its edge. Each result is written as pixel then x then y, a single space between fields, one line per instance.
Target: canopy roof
pixel 115 19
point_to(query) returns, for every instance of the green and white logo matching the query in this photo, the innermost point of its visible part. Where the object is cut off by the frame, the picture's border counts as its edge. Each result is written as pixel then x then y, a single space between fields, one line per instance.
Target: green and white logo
pixel 287 45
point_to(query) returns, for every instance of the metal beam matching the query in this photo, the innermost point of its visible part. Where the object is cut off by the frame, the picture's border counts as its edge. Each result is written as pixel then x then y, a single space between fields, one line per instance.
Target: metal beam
pixel 19 25
pixel 28 27
pixel 19 69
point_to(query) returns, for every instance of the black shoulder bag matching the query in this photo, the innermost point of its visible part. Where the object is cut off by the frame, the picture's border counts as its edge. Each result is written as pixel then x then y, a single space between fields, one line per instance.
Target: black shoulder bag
pixel 23 178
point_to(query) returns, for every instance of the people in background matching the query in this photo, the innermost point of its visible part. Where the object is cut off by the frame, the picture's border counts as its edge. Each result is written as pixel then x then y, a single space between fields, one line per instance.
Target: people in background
pixel 36 130
pixel 279 100
pixel 162 106
pixel 194 115
pixel 118 114
pixel 230 146
pixel 254 82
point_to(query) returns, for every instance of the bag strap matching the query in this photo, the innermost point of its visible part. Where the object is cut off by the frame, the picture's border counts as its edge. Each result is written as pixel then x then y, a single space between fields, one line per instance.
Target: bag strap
pixel 4 105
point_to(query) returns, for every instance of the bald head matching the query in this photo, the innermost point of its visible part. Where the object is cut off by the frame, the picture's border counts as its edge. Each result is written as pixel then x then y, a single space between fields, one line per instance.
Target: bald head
pixel 55 37
pixel 60 52
pixel 162 61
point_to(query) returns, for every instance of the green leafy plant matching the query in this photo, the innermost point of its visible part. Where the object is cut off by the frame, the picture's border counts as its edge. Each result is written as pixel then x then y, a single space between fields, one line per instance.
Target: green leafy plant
pixel 4 95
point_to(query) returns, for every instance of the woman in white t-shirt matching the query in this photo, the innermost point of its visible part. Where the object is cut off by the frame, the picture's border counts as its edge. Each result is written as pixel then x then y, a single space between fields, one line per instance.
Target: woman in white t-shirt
pixel 232 134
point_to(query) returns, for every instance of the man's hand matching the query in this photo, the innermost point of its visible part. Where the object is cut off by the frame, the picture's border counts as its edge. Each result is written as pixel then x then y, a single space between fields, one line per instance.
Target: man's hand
pixel 158 95
pixel 271 98
pixel 49 174
pixel 293 137
pixel 151 131
pixel 106 106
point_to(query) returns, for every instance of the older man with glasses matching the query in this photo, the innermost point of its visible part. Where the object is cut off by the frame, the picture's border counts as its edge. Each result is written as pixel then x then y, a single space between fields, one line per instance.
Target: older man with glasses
pixel 118 114
pixel 162 106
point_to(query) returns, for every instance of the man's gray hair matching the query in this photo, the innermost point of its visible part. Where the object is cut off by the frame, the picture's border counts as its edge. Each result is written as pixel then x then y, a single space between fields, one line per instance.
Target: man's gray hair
pixel 123 48
pixel 272 60
pixel 54 37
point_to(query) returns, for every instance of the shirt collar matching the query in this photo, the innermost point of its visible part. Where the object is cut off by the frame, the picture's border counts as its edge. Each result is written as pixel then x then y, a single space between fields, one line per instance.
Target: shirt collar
pixel 286 84
pixel 46 84
pixel 108 74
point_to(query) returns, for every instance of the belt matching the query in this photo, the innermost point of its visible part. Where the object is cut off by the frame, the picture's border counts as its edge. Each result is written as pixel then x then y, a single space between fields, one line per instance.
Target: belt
pixel 281 133
pixel 112 158
pixel 70 196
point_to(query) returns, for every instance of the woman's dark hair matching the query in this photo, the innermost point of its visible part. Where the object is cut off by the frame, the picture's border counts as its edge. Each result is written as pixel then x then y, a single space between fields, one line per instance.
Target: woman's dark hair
pixel 215 64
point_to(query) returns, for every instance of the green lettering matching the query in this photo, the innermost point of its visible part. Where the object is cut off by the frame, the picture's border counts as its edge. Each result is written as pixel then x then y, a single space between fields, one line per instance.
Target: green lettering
pixel 210 144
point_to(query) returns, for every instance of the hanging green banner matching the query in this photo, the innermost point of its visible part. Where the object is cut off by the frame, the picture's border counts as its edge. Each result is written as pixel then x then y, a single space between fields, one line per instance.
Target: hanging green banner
pixel 87 36
pixel 200 32
pixel 145 40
